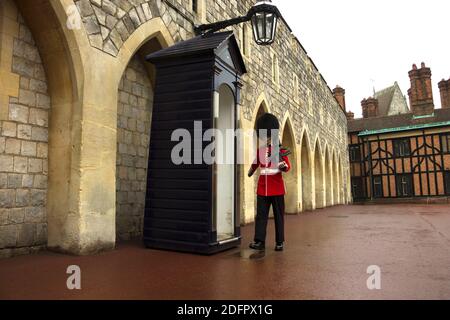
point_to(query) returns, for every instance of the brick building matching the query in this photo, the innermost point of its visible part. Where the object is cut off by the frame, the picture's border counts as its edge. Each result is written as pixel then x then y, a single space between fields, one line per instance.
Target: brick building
pixel 397 153
pixel 76 102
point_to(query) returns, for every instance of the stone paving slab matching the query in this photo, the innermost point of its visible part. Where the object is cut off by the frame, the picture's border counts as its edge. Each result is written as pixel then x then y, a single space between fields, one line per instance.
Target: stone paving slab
pixel 327 255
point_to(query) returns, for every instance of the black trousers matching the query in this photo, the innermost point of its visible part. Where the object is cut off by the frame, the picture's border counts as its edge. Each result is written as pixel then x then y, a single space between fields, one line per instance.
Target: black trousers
pixel 262 217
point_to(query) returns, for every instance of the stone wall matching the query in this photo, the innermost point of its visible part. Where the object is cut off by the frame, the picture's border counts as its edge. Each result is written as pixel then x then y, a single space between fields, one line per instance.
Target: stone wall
pixel 110 31
pixel 315 111
pixel 133 127
pixel 109 23
pixel 24 152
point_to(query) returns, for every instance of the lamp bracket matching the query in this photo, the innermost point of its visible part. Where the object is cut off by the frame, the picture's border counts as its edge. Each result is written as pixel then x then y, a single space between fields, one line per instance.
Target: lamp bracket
pixel 206 29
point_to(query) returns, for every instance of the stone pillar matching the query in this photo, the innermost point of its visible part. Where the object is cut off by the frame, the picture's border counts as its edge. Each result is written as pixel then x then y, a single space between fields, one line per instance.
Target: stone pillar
pixel 97 154
pixel 370 108
pixel 421 92
pixel 247 196
pixel 444 88
pixel 88 224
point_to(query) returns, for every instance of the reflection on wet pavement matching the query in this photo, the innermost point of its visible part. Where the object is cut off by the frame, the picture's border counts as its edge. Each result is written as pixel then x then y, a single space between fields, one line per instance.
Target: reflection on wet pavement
pixel 326 257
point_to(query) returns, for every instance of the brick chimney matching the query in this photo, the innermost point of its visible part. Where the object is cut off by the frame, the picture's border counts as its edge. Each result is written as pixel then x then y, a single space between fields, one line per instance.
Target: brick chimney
pixel 370 107
pixel 350 116
pixel 339 95
pixel 444 88
pixel 421 92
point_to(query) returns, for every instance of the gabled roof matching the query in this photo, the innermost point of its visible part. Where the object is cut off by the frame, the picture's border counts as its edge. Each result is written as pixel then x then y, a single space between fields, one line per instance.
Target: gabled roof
pixel 202 44
pixel 385 97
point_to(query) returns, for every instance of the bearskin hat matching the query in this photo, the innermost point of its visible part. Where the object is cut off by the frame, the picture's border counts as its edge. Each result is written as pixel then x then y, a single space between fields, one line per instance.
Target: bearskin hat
pixel 267 122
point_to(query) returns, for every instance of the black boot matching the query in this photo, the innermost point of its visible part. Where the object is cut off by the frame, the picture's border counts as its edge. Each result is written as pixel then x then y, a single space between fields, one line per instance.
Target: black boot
pixel 279 247
pixel 258 245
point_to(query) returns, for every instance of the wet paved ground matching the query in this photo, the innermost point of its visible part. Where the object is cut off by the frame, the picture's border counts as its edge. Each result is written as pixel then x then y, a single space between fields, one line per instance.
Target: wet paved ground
pixel 327 256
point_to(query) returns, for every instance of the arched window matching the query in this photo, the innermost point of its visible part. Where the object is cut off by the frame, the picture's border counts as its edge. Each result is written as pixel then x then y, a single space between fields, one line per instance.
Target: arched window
pixel 245 35
pixel 198 8
pixel 296 89
pixel 275 69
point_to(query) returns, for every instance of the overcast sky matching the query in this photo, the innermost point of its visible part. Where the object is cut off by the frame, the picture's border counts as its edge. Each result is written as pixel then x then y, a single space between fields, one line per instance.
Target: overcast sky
pixel 360 44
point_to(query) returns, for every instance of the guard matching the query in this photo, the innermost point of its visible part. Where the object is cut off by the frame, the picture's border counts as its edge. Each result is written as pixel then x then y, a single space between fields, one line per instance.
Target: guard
pixel 273 161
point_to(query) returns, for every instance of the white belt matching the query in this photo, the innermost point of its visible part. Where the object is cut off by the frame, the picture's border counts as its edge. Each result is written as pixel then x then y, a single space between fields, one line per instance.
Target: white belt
pixel 269 172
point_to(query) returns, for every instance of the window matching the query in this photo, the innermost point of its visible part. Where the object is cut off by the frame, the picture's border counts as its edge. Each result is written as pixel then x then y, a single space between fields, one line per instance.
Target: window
pixel 275 69
pixel 377 187
pixel 357 188
pixel 245 39
pixel 402 148
pixel 445 141
pixel 296 84
pixel 294 44
pixel 355 153
pixel 447 182
pixel 310 100
pixel 405 186
pixel 198 8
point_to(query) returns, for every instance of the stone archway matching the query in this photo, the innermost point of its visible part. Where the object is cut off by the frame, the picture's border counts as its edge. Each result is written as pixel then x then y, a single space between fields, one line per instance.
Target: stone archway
pixel 343 182
pixel 134 115
pixel 336 180
pixel 328 179
pixel 56 129
pixel 291 178
pixel 306 175
pixel 83 83
pixel 262 109
pixel 319 189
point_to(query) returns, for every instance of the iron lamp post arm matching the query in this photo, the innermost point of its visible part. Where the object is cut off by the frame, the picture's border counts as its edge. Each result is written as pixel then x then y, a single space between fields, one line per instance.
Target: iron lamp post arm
pixel 216 26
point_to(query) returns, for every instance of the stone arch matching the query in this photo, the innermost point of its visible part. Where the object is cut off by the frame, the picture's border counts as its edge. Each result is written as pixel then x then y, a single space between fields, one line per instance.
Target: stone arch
pixel 306 173
pixel 248 198
pixel 260 109
pixel 152 29
pixel 319 190
pixel 341 179
pixel 62 64
pixel 336 180
pixel 134 110
pixel 291 178
pixel 261 106
pixel 328 177
pixel 129 16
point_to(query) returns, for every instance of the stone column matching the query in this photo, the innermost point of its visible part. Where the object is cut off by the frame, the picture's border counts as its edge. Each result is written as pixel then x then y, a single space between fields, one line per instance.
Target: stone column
pixel 248 209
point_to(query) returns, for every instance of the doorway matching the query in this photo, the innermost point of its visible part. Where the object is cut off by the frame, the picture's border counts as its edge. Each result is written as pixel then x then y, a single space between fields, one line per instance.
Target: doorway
pixel 291 178
pixel 328 179
pixel 305 173
pixel 318 178
pixel 225 166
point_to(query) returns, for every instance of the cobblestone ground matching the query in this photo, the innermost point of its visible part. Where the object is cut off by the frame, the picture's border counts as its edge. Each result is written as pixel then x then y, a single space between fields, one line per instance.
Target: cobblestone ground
pixel 327 256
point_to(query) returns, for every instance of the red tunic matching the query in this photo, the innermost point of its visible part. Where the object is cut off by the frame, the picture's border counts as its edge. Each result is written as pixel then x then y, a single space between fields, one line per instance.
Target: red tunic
pixel 270 181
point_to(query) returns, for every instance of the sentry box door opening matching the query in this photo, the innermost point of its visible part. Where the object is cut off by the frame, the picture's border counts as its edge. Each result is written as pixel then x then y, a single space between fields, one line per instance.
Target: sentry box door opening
pixel 225 168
